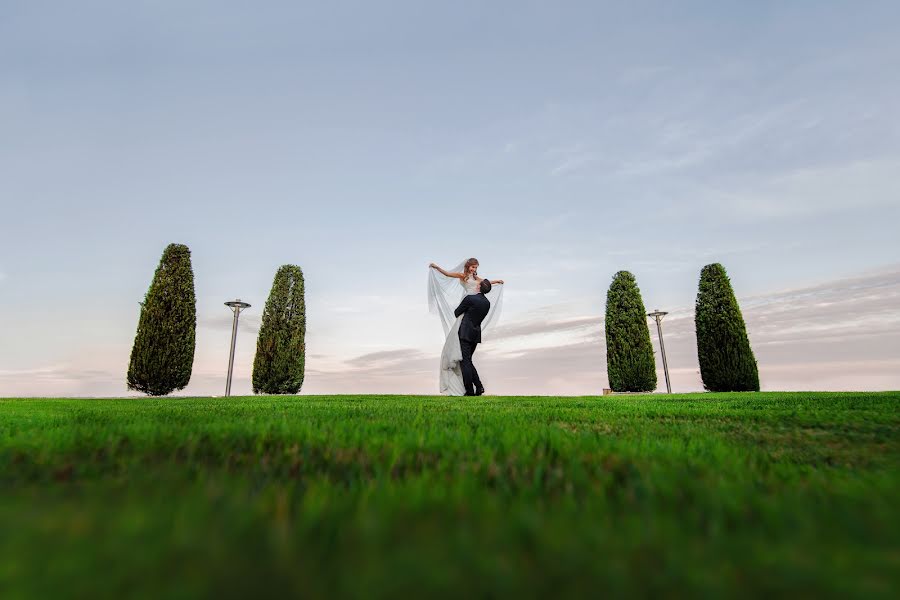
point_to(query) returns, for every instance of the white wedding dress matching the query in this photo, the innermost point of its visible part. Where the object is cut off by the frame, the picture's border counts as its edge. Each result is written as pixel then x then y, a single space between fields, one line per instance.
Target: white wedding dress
pixel 444 295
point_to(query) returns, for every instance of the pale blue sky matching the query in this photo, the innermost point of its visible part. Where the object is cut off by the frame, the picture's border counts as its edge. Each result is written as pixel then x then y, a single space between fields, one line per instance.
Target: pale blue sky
pixel 556 141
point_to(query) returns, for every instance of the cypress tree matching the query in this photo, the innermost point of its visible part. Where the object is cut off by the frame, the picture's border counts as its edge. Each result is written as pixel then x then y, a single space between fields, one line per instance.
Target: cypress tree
pixel 629 353
pixel 163 353
pixel 726 360
pixel 278 367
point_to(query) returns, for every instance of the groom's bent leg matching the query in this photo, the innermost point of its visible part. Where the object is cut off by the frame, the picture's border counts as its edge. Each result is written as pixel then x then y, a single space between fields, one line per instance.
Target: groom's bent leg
pixel 479 388
pixel 468 369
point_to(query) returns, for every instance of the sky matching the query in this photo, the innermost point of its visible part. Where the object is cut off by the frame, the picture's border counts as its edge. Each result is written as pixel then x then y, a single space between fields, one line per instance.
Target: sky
pixel 557 142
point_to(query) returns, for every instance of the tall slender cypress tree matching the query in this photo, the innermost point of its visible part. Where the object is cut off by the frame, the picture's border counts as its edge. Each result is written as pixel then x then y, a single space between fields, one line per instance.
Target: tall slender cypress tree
pixel 163 353
pixel 726 360
pixel 629 353
pixel 278 367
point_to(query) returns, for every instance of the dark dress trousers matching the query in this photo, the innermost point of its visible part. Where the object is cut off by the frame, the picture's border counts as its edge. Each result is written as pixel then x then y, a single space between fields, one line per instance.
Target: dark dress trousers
pixel 475 307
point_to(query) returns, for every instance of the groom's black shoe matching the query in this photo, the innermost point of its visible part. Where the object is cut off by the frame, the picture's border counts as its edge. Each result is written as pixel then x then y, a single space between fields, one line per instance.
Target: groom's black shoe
pixel 479 392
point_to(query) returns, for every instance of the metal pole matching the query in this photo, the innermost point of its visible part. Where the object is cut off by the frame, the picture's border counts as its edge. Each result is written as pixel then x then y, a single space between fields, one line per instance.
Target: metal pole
pixel 662 348
pixel 236 307
pixel 237 313
pixel 234 327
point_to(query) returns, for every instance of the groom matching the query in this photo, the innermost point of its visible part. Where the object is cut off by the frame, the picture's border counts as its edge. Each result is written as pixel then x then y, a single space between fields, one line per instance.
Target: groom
pixel 475 307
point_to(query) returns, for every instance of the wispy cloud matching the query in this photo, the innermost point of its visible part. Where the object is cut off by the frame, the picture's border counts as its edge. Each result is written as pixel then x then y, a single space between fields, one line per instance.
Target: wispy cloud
pixel 55 373
pixel 61 379
pixel 249 323
pixel 678 257
pixel 680 144
pixel 640 74
pixel 535 327
pixel 806 191
pixel 573 163
pixel 385 358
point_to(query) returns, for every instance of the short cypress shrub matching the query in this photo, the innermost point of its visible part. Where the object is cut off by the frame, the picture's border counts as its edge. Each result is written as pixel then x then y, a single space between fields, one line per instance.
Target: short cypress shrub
pixel 163 353
pixel 278 367
pixel 629 353
pixel 726 360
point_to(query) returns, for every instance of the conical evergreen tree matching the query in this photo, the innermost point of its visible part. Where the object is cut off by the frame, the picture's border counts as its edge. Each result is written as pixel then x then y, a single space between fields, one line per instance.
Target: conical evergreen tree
pixel 163 352
pixel 278 367
pixel 629 353
pixel 726 360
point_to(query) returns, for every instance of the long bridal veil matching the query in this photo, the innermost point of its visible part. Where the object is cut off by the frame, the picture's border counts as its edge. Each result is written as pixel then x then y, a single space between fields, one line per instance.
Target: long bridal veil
pixel 445 294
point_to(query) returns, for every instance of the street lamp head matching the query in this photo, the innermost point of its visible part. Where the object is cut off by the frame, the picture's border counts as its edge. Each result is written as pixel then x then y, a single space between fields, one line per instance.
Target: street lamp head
pixel 657 313
pixel 237 304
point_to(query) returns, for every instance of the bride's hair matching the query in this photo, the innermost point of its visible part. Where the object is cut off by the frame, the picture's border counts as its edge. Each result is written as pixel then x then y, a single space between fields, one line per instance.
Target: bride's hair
pixel 469 263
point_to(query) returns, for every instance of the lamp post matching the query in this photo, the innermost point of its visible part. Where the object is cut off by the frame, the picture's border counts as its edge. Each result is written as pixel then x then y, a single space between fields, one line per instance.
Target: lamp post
pixel 236 307
pixel 658 315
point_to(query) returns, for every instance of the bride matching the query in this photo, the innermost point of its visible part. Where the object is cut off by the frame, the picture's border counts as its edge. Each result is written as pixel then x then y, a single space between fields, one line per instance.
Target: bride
pixel 445 291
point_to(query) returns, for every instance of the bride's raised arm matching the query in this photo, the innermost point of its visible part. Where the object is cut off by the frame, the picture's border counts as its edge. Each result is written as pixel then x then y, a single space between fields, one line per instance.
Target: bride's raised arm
pixel 445 273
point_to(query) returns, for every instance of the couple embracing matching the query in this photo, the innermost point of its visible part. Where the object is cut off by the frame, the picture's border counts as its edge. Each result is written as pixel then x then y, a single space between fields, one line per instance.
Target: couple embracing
pixel 468 305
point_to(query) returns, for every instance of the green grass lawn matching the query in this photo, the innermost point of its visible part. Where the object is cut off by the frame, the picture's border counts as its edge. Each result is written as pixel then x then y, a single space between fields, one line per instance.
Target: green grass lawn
pixel 744 494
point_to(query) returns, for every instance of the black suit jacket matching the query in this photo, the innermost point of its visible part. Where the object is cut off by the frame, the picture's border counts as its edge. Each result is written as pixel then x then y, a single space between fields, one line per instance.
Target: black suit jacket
pixel 475 307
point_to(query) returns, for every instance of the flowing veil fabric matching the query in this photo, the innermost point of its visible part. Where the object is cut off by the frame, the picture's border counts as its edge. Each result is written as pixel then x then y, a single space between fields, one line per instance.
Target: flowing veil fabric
pixel 444 295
